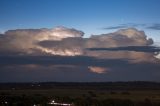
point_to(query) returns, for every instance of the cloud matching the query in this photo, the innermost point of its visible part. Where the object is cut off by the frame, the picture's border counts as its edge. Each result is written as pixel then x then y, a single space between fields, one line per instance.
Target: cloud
pixel 69 42
pixel 115 27
pixel 157 55
pixel 24 41
pixel 56 33
pixel 62 54
pixel 123 37
pixel 98 70
pixel 134 43
pixel 132 53
pixel 67 46
pixel 122 26
pixel 154 27
pixel 66 68
pixel 35 67
pixel 149 49
pixel 64 41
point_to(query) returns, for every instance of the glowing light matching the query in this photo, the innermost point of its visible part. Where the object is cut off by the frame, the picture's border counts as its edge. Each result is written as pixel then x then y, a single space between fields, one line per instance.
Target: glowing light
pixel 157 55
pixel 65 52
pixel 98 70
pixel 61 104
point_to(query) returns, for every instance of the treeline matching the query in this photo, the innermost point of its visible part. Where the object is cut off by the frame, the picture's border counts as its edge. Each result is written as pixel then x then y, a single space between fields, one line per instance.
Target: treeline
pixel 114 102
pixel 134 85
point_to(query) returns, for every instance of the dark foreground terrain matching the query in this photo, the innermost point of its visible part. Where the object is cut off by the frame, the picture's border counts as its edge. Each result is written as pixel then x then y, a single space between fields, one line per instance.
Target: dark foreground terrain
pixel 80 94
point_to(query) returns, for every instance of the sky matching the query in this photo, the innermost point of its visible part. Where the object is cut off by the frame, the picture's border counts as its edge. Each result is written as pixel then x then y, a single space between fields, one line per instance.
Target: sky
pixel 91 16
pixel 79 40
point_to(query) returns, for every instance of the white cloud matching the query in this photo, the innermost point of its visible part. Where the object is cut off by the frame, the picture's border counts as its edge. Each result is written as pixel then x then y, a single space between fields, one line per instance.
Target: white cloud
pixel 123 37
pixel 157 55
pixel 69 42
pixel 63 32
pixel 24 41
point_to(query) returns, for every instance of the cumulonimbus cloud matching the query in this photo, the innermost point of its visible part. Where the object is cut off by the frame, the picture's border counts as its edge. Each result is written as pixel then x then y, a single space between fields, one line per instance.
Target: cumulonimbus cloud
pixel 125 37
pixel 24 41
pixel 70 42
pixel 33 52
pixel 121 38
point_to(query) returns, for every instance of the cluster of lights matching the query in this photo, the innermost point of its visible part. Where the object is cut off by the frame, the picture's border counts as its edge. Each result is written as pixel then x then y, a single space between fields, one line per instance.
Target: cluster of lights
pixel 60 104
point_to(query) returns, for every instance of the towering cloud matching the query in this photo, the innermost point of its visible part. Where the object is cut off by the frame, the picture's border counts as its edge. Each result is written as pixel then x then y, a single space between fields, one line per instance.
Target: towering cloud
pixel 123 37
pixel 56 33
pixel 24 41
pixel 29 52
pixel 70 42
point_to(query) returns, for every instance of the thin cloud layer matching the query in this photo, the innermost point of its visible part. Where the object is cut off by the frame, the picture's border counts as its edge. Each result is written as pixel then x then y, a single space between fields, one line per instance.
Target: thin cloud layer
pixel 122 26
pixel 154 27
pixel 149 49
pixel 75 68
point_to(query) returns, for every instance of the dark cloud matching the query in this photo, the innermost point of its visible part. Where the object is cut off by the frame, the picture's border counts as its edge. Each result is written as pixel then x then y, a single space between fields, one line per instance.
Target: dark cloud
pixel 135 53
pixel 78 68
pixel 61 54
pixel 58 60
pixel 150 49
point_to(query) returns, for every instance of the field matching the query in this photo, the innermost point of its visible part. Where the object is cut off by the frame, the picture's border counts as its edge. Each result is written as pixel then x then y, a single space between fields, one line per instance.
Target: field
pixel 82 94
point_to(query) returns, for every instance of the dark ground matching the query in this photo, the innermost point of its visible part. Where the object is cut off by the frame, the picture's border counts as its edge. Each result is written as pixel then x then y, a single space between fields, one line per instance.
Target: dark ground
pixel 81 94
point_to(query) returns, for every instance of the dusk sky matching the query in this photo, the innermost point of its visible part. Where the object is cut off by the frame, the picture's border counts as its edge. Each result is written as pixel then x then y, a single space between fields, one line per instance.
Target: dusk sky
pixel 91 16
pixel 79 40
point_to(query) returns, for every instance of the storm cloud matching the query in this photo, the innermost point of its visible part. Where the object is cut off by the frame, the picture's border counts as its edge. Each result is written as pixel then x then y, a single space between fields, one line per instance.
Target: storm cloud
pixel 74 68
pixel 77 46
pixel 24 41
pixel 62 54
pixel 64 41
pixel 150 49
